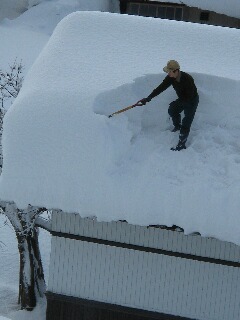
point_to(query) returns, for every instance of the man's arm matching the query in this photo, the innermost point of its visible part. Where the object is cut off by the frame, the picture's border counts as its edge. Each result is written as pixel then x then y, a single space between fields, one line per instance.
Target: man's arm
pixel 162 87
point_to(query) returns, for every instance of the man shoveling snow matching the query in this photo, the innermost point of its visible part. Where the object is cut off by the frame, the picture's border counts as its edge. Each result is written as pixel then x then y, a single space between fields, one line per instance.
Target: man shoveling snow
pixel 187 101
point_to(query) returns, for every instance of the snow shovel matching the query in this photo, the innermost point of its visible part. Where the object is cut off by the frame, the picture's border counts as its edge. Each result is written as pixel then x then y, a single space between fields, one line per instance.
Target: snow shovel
pixel 137 104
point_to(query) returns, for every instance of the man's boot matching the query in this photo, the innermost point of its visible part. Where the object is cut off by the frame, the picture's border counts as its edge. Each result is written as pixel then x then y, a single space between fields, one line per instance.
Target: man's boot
pixel 182 140
pixel 180 146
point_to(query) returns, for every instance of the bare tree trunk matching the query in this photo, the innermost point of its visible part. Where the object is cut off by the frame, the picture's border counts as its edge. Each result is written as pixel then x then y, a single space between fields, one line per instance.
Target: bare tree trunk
pixel 31 276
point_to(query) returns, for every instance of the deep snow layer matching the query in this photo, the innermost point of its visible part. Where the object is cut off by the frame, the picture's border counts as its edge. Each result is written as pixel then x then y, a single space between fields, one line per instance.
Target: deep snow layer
pixel 61 150
pixel 11 9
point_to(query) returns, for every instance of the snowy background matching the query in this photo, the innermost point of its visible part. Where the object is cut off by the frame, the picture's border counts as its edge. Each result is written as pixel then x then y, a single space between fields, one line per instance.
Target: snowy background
pixel 24 38
pixel 124 167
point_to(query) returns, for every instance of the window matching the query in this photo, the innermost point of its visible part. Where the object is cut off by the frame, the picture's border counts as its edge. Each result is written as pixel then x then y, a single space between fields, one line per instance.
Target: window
pixel 178 14
pixel 133 9
pixel 156 11
pixel 162 12
pixel 152 11
pixel 170 13
pixel 204 16
pixel 143 10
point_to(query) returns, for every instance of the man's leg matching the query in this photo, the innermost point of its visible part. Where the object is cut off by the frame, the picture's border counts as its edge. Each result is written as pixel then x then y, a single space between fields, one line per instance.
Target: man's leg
pixel 189 113
pixel 174 110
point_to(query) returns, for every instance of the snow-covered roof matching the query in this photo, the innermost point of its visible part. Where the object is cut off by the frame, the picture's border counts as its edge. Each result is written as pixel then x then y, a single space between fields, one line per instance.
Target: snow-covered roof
pixel 228 7
pixel 62 151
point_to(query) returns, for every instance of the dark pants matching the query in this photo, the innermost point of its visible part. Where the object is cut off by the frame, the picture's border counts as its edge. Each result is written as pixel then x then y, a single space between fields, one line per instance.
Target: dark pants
pixel 189 108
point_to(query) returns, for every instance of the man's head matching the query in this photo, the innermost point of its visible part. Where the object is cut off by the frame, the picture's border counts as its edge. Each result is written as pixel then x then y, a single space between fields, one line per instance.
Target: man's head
pixel 172 68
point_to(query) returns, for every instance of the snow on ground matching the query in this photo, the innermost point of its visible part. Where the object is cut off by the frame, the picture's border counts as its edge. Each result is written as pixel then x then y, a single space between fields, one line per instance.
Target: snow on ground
pixel 23 38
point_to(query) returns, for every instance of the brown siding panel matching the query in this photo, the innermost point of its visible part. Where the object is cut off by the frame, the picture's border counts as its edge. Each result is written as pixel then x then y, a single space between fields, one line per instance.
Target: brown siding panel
pixel 61 307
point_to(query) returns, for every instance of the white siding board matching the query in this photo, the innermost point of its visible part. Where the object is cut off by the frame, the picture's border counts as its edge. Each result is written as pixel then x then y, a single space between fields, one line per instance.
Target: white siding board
pixel 102 280
pixel 59 263
pixel 156 241
pixel 171 236
pixel 179 279
pixel 91 229
pixel 174 242
pixel 54 267
pixel 87 270
pixel 204 272
pixel 65 222
pixel 86 227
pixel 132 236
pixel 144 280
pixel 208 294
pixel 55 218
pixel 223 287
pixel 120 227
pixel 81 227
pixel 59 220
pixel 67 226
pixel 99 231
pixel 124 276
pixel 73 223
pixel 145 236
pixel 190 296
pixel 194 245
pixel 228 297
pixel 230 252
pixel 127 234
pixel 109 273
pixel 226 292
pixel 76 224
pixel 71 266
pixel 114 277
pixel 104 230
pixel 197 289
pixel 236 299
pixel 119 270
pixel 112 231
pixel 212 248
pixel 236 253
pixel 54 259
pixel 164 283
pixel 186 298
pixel 75 268
pixel 139 235
pixel 92 269
pixel 78 279
pixel 65 265
pixel 184 244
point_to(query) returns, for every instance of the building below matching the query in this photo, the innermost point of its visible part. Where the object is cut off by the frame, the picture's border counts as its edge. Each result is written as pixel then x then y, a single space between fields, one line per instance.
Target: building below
pixel 118 271
pixel 179 12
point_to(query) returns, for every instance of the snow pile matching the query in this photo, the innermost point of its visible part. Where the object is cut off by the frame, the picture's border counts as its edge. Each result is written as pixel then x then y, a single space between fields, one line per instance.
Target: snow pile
pixel 23 38
pixel 11 9
pixel 62 151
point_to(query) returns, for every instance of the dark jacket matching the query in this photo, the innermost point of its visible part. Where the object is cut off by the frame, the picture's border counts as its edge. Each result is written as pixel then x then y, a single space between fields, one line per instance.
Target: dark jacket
pixel 185 88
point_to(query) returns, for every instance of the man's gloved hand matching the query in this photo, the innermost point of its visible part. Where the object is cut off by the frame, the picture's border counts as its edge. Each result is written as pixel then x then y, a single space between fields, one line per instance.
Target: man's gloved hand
pixel 144 101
